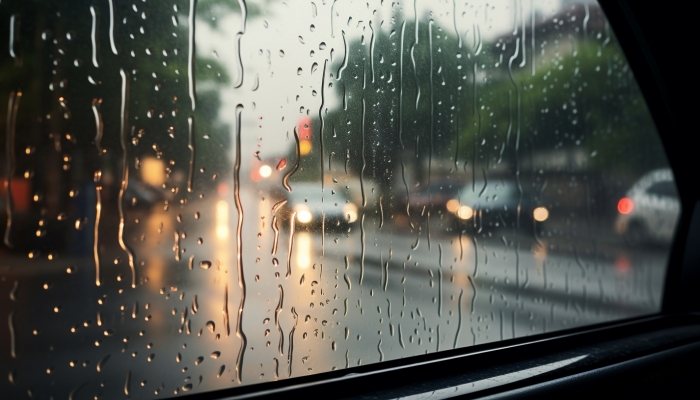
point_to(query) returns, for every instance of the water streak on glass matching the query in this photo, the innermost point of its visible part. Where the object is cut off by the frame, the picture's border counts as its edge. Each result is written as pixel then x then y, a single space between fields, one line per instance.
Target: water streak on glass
pixel 191 146
pixel 239 245
pixel 93 38
pixel 125 175
pixel 112 43
pixel 99 125
pixel 13 29
pixel 191 49
pixel 10 132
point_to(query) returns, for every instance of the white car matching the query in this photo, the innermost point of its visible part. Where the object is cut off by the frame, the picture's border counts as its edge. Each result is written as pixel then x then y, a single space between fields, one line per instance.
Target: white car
pixel 311 206
pixel 650 209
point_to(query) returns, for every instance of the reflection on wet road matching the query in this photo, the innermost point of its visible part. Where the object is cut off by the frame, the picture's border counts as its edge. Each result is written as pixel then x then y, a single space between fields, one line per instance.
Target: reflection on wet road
pixel 416 296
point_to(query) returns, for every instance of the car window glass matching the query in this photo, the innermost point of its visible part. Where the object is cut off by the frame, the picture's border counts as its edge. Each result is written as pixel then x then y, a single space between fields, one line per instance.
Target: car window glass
pixel 199 195
pixel 663 189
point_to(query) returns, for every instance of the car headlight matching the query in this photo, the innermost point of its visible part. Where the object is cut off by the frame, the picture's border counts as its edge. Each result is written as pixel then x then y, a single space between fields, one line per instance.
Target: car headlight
pixel 303 214
pixel 540 214
pixel 265 171
pixel 465 212
pixel 350 212
pixel 452 205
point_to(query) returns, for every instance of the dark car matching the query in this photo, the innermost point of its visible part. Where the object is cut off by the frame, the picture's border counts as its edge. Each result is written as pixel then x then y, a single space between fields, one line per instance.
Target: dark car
pixel 496 205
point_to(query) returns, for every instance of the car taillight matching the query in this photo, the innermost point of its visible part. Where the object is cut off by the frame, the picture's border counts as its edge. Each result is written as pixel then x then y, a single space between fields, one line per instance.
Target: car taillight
pixel 625 205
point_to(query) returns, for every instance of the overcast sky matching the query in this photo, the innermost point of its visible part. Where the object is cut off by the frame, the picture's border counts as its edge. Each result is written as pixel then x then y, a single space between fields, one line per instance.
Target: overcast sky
pixel 280 41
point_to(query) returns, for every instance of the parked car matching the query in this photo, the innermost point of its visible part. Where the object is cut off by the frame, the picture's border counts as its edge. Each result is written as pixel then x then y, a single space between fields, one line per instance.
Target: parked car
pixel 650 208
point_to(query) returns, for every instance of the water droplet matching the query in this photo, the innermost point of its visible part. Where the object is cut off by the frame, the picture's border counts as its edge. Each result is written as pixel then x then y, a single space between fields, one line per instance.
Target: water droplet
pixel 205 264
pixel 101 363
pixel 80 222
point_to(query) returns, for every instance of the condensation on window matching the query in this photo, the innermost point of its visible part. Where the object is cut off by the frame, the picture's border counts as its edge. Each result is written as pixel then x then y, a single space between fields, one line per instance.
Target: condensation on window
pixel 204 194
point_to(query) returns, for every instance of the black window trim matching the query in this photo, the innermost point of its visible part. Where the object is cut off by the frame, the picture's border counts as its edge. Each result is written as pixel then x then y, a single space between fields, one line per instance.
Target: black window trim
pixel 449 367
